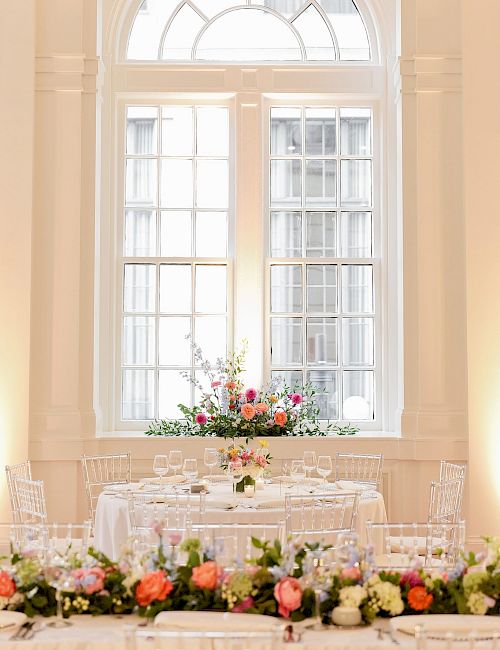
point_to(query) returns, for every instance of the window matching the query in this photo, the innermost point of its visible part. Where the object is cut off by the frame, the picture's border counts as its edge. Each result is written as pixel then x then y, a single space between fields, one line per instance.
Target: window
pixel 246 196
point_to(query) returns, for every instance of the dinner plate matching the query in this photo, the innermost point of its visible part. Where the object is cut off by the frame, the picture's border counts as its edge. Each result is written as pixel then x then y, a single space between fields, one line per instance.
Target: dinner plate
pixel 11 619
pixel 119 488
pixel 438 625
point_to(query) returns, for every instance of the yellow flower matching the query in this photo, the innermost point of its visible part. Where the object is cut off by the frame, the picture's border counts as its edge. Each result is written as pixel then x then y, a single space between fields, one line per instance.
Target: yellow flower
pixel 233 452
pixel 263 443
pixel 273 399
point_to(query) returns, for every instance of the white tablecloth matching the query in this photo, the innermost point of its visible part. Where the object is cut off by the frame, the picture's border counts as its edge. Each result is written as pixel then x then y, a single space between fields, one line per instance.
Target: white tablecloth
pixel 112 526
pixel 108 633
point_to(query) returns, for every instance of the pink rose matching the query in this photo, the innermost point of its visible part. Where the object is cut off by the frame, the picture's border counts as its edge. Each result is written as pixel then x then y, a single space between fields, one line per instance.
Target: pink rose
pixel 91 580
pixel 411 578
pixel 174 538
pixel 243 606
pixel 296 398
pixel 260 407
pixel 350 573
pixel 207 575
pixel 201 418
pixel 248 411
pixel 288 593
pixel 250 394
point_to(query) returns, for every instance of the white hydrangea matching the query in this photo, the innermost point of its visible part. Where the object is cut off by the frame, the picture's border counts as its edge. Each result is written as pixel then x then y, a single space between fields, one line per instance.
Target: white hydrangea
pixel 352 596
pixel 477 603
pixel 386 596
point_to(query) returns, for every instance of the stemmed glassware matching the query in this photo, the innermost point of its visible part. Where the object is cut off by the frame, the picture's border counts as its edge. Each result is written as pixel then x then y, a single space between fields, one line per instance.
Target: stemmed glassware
pixel 211 458
pixel 316 576
pixel 287 479
pixel 235 470
pixel 175 460
pixel 190 469
pixel 59 577
pixel 298 471
pixel 324 467
pixel 309 463
pixel 160 465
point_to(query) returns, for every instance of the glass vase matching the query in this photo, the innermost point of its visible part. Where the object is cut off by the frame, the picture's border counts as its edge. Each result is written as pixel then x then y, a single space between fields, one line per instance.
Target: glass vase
pixel 246 480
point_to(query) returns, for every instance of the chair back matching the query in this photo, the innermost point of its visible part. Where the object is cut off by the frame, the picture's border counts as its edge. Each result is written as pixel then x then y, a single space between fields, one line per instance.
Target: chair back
pixel 401 544
pixel 233 542
pixel 45 539
pixel 426 640
pixel 450 471
pixel 99 471
pixel 321 517
pixel 362 468
pixel 445 501
pixel 21 470
pixel 30 496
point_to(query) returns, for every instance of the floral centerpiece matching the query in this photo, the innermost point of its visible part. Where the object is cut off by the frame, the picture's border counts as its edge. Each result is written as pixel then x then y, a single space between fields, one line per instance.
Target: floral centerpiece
pixel 253 462
pixel 229 409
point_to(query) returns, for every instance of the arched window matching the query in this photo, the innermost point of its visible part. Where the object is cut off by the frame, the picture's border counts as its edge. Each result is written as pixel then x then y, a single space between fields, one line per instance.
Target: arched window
pixel 243 197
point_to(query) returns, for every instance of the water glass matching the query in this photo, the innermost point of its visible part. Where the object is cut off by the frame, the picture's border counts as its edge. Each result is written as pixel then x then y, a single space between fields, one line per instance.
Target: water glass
pixel 160 465
pixel 190 469
pixel 298 471
pixel 175 460
pixel 310 461
pixel 324 467
pixel 211 458
pixel 235 470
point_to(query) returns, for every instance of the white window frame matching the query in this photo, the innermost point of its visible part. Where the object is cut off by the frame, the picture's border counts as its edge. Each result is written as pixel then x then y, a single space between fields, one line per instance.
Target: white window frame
pixel 252 87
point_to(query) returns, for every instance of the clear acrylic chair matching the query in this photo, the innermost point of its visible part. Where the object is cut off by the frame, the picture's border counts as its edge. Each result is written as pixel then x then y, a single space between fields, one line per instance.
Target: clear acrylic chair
pixel 140 639
pixel 452 640
pixel 233 542
pixel 445 501
pixel 404 544
pixel 321 517
pixel 362 468
pixel 21 470
pixel 99 471
pixel 30 497
pixel 450 471
pixel 45 539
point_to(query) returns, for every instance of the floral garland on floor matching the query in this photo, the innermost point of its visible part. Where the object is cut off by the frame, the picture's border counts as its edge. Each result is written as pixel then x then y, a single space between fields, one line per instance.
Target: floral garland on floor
pixel 280 582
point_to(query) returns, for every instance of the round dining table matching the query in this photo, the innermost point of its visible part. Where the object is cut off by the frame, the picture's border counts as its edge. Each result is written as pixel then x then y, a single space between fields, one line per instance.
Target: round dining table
pixel 222 506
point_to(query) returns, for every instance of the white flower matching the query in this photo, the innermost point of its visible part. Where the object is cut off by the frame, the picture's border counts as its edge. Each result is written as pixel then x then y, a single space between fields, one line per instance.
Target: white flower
pixel 386 596
pixel 477 603
pixel 352 596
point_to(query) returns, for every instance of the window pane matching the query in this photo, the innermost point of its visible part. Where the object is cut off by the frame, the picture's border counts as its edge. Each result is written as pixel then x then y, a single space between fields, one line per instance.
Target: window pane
pixel 286 131
pixel 176 183
pixel 321 181
pixel 212 183
pixel 315 35
pixel 140 233
pixel 211 234
pixel 175 235
pixel 286 341
pixel 286 234
pixel 321 234
pixel 349 29
pixel 172 390
pixel 356 234
pixel 356 182
pixel 321 288
pixel 181 34
pixel 175 288
pixel 212 131
pixel 142 124
pixel 358 395
pixel 321 136
pixel 357 341
pixel 285 182
pixel 138 341
pixel 322 341
pixel 177 130
pixel 290 378
pixel 286 288
pixel 137 394
pixel 147 29
pixel 327 398
pixel 210 289
pixel 357 288
pixel 140 183
pixel 139 288
pixel 210 332
pixel 355 131
pixel 173 347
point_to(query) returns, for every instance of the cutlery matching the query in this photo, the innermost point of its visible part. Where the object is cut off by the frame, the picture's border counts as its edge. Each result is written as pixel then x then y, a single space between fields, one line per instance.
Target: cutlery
pixel 22 631
pixel 392 637
pixel 33 630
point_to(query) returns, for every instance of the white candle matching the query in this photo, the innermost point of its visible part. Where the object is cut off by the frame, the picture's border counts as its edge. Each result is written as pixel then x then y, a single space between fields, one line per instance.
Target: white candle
pixel 259 484
pixel 343 615
pixel 249 490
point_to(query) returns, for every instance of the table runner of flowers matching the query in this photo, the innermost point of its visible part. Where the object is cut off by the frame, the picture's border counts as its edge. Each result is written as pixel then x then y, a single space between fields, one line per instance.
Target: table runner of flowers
pixel 281 581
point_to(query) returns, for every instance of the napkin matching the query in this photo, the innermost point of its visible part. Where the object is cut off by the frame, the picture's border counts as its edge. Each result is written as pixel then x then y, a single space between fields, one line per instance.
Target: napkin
pixel 9 619
pixel 271 503
pixel 215 622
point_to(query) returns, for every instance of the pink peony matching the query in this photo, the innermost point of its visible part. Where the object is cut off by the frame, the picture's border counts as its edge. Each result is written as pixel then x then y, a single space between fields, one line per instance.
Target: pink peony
pixel 201 418
pixel 296 398
pixel 412 579
pixel 250 394
pixel 91 580
pixel 288 593
pixel 243 606
pixel 207 575
pixel 350 573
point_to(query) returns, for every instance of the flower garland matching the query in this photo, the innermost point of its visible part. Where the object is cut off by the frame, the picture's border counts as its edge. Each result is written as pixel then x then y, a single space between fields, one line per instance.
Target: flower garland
pixel 280 582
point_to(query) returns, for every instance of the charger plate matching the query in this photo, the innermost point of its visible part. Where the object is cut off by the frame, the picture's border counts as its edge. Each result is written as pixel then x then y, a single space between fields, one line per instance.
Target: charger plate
pixel 438 625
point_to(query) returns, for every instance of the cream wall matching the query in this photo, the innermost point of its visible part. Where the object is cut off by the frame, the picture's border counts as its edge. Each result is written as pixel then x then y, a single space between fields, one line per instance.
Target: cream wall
pixel 438 119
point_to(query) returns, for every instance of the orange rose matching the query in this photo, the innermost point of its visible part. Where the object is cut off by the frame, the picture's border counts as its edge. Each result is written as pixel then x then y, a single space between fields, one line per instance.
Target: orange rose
pixel 280 418
pixel 248 411
pixel 7 585
pixel 154 586
pixel 207 575
pixel 230 385
pixel 261 407
pixel 419 599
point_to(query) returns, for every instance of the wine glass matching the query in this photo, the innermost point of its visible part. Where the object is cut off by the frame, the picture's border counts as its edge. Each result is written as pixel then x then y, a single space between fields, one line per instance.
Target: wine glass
pixel 175 460
pixel 287 478
pixel 59 577
pixel 211 458
pixel 298 471
pixel 324 467
pixel 309 463
pixel 190 469
pixel 235 471
pixel 160 465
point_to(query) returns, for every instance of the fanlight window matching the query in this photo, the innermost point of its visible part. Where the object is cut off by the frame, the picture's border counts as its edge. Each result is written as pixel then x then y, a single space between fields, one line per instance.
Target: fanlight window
pixel 260 30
